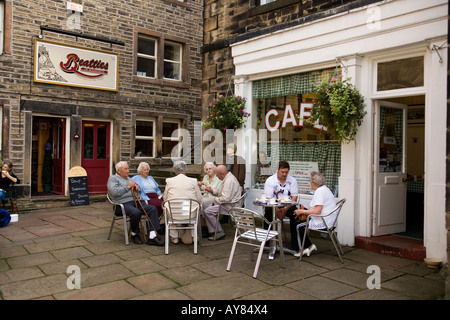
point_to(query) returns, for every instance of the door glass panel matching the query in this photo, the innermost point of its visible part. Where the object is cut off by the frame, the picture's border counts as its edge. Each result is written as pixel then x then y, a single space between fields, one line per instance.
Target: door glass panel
pixel 88 138
pixel 101 141
pixel 391 140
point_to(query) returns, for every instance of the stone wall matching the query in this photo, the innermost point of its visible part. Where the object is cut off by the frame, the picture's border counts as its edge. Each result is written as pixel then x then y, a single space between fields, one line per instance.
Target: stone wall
pixel 111 19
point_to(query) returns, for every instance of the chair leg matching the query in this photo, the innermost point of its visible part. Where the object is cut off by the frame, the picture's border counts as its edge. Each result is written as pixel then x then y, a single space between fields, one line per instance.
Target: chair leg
pixel 217 224
pixel 112 226
pixel 195 238
pixel 125 230
pixel 166 234
pixel 336 247
pixel 280 243
pixel 233 249
pixel 258 261
pixel 303 242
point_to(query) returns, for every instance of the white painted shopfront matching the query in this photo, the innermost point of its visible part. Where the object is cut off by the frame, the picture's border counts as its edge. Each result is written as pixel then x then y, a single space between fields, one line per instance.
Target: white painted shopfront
pixel 361 42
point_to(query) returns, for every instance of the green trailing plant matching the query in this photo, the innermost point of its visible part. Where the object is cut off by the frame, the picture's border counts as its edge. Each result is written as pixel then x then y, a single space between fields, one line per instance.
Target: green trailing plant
pixel 226 112
pixel 340 107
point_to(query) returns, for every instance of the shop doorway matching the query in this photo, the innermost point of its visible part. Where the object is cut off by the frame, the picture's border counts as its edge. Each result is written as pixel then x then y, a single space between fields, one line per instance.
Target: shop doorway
pixel 48 156
pixel 399 167
pixel 96 154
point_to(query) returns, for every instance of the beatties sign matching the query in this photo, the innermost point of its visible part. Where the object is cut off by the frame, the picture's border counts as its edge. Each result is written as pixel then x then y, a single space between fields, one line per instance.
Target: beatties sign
pixel 76 65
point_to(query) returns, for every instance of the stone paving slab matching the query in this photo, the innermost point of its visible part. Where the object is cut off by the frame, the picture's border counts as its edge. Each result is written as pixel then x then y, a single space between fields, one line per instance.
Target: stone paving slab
pixel 36 251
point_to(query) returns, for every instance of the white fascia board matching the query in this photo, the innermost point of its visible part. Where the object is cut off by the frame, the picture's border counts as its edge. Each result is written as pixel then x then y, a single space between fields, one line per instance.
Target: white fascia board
pixel 313 42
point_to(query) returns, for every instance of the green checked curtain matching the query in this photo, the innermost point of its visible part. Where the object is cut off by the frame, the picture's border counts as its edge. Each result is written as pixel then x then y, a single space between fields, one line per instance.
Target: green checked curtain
pixel 327 156
pixel 291 84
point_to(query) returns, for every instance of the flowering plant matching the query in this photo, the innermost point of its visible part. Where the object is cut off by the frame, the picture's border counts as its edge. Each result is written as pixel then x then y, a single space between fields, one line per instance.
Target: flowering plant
pixel 340 107
pixel 227 112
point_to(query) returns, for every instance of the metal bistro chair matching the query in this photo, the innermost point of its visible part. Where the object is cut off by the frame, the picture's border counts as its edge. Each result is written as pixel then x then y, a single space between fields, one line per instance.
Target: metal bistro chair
pixel 179 214
pixel 238 202
pixel 246 229
pixel 122 215
pixel 331 231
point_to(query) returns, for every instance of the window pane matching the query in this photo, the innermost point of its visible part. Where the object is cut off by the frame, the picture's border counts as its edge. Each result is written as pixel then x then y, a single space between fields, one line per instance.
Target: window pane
pixel 146 67
pixel 168 128
pixel 172 52
pixel 400 74
pixel 88 137
pixel 101 141
pixel 167 147
pixel 147 46
pixel 171 70
pixel 144 128
pixel 391 140
pixel 144 148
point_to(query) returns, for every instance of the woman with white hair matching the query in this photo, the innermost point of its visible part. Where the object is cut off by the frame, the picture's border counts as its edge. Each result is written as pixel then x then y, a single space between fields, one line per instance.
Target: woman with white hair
pixel 322 203
pixel 150 191
pixel 210 185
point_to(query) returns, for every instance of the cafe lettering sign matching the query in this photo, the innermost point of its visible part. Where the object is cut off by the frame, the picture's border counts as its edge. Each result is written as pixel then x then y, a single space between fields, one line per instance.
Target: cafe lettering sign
pixel 73 66
pixel 272 118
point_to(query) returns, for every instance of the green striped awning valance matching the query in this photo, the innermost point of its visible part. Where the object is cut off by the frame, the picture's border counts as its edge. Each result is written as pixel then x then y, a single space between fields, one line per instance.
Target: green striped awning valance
pixel 291 84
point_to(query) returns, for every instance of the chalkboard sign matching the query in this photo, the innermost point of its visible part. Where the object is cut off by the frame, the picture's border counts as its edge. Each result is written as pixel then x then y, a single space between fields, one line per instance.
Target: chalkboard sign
pixel 78 191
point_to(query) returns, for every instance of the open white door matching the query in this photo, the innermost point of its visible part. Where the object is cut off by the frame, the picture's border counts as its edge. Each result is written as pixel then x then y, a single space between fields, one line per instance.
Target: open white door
pixel 389 169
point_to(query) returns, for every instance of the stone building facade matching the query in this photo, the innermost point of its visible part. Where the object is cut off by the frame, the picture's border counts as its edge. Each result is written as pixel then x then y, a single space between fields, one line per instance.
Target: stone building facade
pixel 251 44
pixel 227 22
pixel 157 86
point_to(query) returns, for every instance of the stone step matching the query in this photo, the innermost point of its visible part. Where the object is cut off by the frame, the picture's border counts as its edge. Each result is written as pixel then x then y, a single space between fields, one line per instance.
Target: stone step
pixel 60 201
pixel 56 201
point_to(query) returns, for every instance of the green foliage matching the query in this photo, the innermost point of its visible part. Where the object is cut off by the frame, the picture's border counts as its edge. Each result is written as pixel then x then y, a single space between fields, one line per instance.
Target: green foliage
pixel 226 113
pixel 340 107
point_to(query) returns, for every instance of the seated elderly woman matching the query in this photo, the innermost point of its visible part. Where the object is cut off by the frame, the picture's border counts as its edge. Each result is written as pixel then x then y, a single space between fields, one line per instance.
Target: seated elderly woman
pixel 322 203
pixel 210 185
pixel 150 191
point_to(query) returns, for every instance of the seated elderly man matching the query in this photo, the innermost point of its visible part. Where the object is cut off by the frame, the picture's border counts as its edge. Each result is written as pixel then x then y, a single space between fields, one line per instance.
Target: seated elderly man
pixel 120 189
pixel 230 192
pixel 181 186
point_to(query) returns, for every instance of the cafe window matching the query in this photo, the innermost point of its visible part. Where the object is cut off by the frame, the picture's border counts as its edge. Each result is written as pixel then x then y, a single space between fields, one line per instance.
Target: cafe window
pixel 284 105
pixel 170 138
pixel 145 138
pixel 400 74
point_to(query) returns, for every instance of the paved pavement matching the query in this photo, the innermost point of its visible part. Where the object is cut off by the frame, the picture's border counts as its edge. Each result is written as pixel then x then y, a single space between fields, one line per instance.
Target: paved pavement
pixel 36 252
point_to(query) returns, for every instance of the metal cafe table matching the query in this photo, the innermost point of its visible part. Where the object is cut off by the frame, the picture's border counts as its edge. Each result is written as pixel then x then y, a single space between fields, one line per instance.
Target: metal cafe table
pixel 274 206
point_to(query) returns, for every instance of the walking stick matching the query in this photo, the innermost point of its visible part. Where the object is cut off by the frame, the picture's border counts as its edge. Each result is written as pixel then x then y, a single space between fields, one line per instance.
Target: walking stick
pixel 136 201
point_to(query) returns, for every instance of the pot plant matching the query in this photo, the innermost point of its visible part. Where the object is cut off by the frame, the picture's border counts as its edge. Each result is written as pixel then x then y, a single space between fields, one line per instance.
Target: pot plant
pixel 226 112
pixel 340 107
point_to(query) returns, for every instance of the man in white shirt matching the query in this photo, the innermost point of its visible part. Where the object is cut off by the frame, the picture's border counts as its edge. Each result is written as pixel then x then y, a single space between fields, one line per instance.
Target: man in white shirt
pixel 282 185
pixel 230 192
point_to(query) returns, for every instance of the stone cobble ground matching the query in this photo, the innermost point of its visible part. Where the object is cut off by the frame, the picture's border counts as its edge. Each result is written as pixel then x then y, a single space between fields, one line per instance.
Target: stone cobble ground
pixel 36 252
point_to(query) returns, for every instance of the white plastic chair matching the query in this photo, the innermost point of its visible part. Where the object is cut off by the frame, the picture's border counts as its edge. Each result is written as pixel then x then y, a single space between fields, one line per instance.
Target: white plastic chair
pixel 328 230
pixel 238 202
pixel 247 233
pixel 124 217
pixel 181 214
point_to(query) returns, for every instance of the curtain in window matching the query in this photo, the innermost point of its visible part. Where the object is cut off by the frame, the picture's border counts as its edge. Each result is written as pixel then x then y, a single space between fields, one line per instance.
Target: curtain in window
pixel 327 156
pixel 291 84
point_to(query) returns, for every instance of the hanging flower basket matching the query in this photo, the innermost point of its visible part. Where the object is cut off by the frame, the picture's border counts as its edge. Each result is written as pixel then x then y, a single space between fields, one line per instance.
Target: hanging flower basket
pixel 227 112
pixel 340 107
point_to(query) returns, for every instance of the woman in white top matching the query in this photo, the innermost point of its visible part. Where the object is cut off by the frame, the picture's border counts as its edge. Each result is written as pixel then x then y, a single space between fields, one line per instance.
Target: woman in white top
pixel 322 203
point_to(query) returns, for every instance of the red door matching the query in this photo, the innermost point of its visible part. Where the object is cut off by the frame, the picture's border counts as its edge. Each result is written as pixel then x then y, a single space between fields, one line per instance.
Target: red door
pixel 95 155
pixel 59 149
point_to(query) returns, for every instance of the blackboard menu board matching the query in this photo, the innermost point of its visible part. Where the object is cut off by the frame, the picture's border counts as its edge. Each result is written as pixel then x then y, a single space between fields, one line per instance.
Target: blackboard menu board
pixel 78 191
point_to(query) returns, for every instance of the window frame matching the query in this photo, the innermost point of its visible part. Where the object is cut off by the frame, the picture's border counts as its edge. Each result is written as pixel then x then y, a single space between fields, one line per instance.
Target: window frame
pixel 164 138
pixel 161 40
pixel 375 94
pixel 146 138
